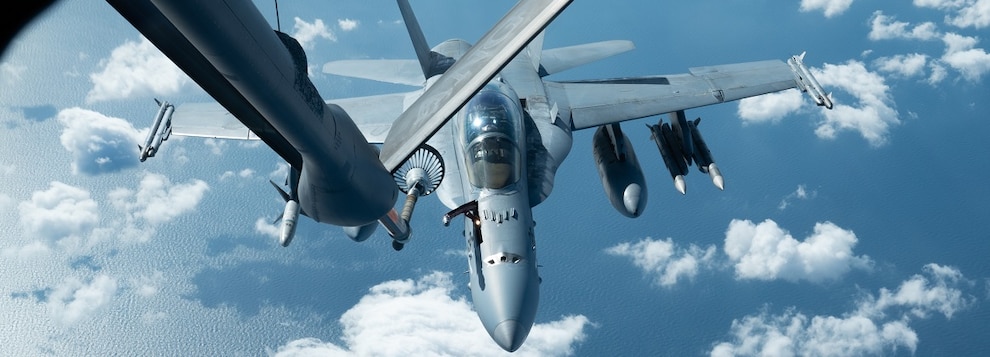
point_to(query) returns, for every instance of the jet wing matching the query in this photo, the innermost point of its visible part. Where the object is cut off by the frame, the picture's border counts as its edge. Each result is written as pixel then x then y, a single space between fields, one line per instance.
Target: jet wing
pixel 564 58
pixel 372 114
pixel 208 120
pixel 405 72
pixel 445 97
pixel 598 102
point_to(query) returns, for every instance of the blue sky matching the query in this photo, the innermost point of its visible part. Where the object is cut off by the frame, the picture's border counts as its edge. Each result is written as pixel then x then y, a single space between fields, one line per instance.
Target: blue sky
pixel 855 231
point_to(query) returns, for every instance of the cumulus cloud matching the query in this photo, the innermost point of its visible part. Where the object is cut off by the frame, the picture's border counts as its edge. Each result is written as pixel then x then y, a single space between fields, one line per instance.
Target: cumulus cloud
pixel 770 107
pixel 765 251
pixel 67 218
pixel 74 300
pixel 910 65
pixel 961 55
pixel 884 27
pixel 961 13
pixel 872 114
pixel 422 318
pixel 347 24
pixel 98 144
pixel 263 226
pixel 829 7
pixel 157 200
pixel 307 33
pixel 59 213
pixel 136 68
pixel 878 326
pixel 664 260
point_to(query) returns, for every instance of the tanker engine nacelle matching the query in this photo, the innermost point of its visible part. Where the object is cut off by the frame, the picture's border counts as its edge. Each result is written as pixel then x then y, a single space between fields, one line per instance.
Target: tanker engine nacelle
pixel 619 170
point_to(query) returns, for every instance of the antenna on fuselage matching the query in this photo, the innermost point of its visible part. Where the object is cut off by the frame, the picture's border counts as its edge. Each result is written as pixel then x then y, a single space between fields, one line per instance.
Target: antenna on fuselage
pixel 278 21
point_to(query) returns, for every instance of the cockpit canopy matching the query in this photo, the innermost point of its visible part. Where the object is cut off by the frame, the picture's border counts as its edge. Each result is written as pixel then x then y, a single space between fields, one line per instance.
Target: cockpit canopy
pixel 490 132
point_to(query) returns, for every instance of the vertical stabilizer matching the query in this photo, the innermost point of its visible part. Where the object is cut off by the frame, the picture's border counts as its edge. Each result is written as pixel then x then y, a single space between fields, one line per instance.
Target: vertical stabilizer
pixel 429 61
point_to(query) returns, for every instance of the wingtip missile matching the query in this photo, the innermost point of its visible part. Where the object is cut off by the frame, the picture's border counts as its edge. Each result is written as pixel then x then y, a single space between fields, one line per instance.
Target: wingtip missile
pixel 160 130
pixel 807 83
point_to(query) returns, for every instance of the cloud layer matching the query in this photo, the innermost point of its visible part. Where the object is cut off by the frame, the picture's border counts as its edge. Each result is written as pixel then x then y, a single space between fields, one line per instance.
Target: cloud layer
pixel 423 318
pixel 764 251
pixel 761 251
pixel 664 260
pixel 879 325
pixel 98 144
pixel 136 68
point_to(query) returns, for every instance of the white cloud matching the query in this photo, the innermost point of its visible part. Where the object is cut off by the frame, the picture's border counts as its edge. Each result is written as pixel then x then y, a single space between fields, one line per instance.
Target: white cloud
pixel 60 212
pixel 421 318
pixel 245 174
pixel 11 73
pixel 961 55
pixel 263 226
pixel 74 300
pixel 35 249
pixel 770 107
pixel 157 200
pixel 938 73
pixel 98 144
pixel 147 286
pixel 216 146
pixel 767 252
pixel 664 260
pixel 904 65
pixel 961 13
pixel 883 27
pixel 873 114
pixel 829 7
pixel 136 68
pixel 348 24
pixel 280 173
pixel 801 193
pixel 306 33
pixel 922 295
pixel 5 202
pixel 878 326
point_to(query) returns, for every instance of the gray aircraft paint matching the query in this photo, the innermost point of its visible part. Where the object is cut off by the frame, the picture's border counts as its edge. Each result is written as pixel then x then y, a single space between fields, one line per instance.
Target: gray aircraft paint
pixel 499 225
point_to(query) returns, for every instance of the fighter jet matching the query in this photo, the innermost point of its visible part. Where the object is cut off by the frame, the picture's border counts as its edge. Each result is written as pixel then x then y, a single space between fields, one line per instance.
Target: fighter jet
pixel 484 128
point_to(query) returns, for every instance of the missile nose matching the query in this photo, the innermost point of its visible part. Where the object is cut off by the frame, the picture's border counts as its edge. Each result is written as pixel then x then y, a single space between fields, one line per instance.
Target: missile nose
pixel 716 176
pixel 679 184
pixel 508 335
pixel 719 182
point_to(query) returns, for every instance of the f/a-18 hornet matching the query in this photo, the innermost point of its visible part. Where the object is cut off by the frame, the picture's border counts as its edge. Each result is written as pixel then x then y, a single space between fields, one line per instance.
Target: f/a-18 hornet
pixel 485 129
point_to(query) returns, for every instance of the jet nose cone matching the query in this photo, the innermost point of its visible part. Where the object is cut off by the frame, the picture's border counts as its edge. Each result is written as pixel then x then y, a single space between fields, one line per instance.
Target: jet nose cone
pixel 508 335
pixel 634 200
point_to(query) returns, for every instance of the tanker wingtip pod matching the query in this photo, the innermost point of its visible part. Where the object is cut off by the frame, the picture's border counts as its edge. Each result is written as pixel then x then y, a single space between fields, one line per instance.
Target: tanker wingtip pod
pixel 159 131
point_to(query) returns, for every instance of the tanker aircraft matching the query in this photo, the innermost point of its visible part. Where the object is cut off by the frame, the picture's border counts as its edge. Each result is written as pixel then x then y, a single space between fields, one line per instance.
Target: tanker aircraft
pixel 484 128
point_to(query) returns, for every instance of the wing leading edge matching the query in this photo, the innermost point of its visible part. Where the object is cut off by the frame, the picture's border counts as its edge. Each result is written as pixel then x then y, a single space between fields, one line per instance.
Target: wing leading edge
pixel 372 114
pixel 598 102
